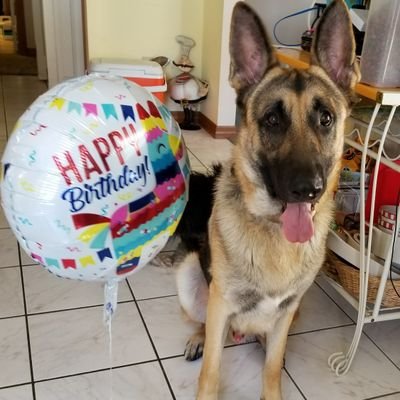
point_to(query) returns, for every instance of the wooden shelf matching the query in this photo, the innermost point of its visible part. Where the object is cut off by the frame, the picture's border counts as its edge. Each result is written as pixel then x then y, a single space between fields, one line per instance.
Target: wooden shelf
pixel 301 59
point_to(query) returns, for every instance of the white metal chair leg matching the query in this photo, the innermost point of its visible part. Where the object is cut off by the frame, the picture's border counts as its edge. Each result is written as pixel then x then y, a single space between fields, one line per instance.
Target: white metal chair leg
pixel 340 362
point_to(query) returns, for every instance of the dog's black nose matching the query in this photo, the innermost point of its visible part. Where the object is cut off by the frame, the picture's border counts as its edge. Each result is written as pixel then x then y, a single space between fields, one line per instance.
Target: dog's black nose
pixel 306 189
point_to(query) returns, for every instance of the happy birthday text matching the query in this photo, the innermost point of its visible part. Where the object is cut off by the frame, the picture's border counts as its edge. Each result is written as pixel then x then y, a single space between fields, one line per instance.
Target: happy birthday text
pixel 114 143
pixel 80 196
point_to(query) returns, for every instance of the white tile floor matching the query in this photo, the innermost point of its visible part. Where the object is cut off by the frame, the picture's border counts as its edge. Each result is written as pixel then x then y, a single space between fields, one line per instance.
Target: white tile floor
pixel 53 345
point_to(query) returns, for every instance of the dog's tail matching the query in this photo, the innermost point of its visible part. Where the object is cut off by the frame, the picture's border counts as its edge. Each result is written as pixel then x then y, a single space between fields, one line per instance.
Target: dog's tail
pixel 192 228
pixel 192 288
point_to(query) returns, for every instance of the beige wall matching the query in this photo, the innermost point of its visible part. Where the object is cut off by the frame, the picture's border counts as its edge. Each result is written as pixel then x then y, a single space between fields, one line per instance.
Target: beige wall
pixel 144 28
pixel 147 28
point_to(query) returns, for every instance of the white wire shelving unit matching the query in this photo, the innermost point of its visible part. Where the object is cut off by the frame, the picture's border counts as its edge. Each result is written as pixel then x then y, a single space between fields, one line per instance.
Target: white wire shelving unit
pixel 376 136
pixel 377 133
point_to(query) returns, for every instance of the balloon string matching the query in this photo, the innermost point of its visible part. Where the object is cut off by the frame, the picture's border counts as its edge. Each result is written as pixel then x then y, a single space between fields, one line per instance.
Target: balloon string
pixel 110 305
pixel 110 356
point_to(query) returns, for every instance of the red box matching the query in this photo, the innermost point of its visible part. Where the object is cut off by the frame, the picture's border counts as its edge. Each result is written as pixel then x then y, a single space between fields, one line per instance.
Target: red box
pixel 387 190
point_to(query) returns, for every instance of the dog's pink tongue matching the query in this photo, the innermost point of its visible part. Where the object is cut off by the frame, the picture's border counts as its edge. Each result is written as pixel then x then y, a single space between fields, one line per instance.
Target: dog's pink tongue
pixel 297 222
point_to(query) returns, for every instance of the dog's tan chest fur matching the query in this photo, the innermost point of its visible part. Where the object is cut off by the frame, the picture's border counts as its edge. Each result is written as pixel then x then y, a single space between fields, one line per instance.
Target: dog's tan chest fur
pixel 251 243
pixel 250 277
pixel 261 318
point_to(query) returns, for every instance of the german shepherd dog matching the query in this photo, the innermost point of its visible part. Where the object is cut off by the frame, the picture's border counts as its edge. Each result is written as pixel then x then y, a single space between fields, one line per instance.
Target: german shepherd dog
pixel 257 243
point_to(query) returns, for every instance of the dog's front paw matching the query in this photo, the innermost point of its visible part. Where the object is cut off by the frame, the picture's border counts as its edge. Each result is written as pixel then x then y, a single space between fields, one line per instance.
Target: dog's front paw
pixel 194 346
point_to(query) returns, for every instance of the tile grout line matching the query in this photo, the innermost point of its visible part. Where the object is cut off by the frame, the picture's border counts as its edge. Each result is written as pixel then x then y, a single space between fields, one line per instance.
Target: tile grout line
pixel 12 317
pixel 14 386
pixel 197 158
pixel 384 353
pixel 27 324
pixel 157 297
pixel 9 267
pixel 95 371
pixel 329 328
pixel 294 382
pixel 33 314
pixel 73 308
pixel 152 343
pixel 382 396
pixel 331 297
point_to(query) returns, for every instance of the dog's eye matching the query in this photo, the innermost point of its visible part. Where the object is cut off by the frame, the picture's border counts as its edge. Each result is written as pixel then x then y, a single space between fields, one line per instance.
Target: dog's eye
pixel 272 119
pixel 326 118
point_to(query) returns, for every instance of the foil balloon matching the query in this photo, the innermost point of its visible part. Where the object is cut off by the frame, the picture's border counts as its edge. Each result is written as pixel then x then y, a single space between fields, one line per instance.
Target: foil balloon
pixel 95 178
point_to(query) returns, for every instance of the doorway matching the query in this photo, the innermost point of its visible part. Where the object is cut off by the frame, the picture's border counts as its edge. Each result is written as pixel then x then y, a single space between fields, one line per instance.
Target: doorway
pixel 46 38
pixel 17 38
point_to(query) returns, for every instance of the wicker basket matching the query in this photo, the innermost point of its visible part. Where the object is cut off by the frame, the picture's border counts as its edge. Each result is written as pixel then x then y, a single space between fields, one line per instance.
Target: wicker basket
pixel 329 266
pixel 349 278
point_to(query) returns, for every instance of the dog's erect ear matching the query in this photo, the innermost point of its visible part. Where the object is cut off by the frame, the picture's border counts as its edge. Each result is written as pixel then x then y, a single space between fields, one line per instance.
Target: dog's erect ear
pixel 250 49
pixel 333 46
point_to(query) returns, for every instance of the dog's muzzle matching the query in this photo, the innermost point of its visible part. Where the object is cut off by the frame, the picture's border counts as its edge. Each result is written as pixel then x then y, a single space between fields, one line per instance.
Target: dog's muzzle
pixel 299 192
